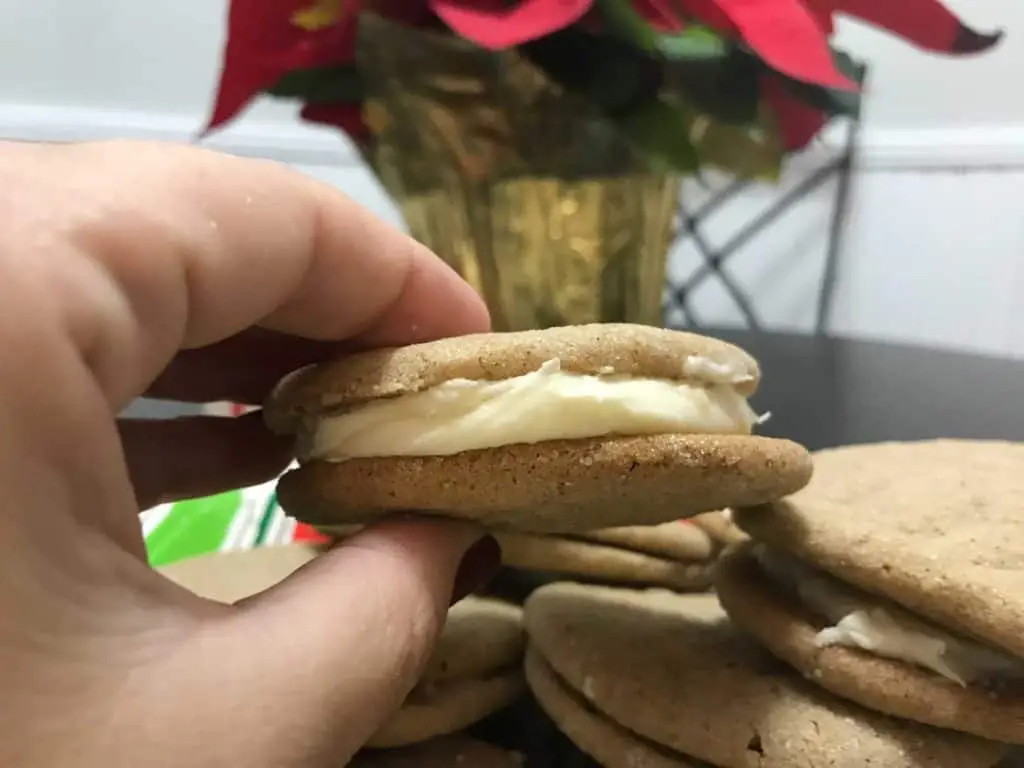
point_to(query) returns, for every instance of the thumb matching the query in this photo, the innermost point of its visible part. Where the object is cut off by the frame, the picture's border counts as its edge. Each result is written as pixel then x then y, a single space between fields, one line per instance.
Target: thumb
pixel 316 664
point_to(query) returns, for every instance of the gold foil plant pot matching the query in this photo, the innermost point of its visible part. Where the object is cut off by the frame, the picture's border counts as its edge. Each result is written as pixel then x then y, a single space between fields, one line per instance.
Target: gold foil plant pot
pixel 633 61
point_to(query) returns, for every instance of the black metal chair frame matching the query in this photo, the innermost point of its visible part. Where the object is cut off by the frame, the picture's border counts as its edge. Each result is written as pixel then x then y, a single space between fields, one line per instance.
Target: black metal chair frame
pixel 688 225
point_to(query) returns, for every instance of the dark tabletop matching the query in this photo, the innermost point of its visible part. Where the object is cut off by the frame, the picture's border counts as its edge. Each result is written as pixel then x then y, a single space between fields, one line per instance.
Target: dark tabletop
pixel 826 391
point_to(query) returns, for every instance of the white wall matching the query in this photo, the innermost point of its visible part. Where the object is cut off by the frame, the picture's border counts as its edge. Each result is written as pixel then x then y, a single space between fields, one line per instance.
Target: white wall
pixel 934 237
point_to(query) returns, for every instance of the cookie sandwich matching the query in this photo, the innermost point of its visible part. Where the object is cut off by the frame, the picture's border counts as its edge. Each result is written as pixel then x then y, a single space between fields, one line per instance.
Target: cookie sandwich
pixel 661 680
pixel 676 555
pixel 565 430
pixel 720 527
pixel 474 670
pixel 896 580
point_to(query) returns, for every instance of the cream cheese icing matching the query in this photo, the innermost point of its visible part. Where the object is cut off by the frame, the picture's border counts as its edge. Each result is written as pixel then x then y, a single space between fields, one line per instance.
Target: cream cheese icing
pixel 859 620
pixel 547 404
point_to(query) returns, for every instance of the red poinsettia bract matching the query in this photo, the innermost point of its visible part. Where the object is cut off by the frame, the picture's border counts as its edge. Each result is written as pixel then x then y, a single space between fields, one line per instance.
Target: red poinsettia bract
pixel 263 44
pixel 927 24
pixel 790 36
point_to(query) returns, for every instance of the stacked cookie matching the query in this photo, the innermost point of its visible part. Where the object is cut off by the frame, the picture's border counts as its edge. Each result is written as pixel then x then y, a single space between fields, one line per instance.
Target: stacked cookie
pixel 654 679
pixel 896 580
pixel 720 527
pixel 676 555
pixel 872 618
pixel 475 668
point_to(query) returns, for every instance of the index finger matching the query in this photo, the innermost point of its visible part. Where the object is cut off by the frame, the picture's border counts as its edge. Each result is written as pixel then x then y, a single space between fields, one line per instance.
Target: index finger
pixel 201 246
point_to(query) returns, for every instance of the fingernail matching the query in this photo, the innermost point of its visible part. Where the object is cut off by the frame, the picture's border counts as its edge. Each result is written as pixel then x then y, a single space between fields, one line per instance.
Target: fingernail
pixel 479 565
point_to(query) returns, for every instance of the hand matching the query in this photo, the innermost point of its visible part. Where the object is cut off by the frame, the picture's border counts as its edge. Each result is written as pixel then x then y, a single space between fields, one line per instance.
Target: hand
pixel 133 268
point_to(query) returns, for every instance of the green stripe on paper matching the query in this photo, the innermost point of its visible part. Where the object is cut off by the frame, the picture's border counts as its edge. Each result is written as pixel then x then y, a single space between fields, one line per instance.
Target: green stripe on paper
pixel 193 527
pixel 268 516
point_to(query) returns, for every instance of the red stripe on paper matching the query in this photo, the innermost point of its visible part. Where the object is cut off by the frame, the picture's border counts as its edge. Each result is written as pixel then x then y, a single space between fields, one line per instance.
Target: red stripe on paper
pixel 308 534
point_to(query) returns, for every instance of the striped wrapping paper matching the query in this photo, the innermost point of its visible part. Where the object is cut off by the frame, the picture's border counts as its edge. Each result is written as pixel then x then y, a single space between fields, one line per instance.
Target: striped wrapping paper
pixel 242 519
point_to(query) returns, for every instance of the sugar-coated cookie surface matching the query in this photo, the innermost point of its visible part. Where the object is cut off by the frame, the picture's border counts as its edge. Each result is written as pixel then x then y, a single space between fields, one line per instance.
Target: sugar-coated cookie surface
pixel 568 486
pixel 720 527
pixel 937 526
pixel 475 669
pixel 436 710
pixel 894 687
pixel 637 350
pixel 671 669
pixel 480 635
pixel 607 742
pixel 675 540
pixel 580 560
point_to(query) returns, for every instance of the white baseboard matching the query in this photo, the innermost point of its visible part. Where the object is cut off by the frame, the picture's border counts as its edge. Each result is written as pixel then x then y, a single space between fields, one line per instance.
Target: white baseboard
pixel 893 149
pixel 287 142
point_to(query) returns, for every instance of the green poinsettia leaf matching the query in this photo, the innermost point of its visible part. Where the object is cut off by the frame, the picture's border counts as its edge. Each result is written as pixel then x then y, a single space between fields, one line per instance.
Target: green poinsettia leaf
pixel 747 153
pixel 709 113
pixel 693 43
pixel 728 88
pixel 608 73
pixel 624 22
pixel 321 85
pixel 657 129
pixel 849 66
pixel 622 84
pixel 753 151
pixel 831 101
pixel 678 137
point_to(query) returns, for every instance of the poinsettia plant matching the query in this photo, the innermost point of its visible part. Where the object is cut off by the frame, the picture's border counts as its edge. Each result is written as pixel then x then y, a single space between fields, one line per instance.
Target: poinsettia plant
pixel 763 65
